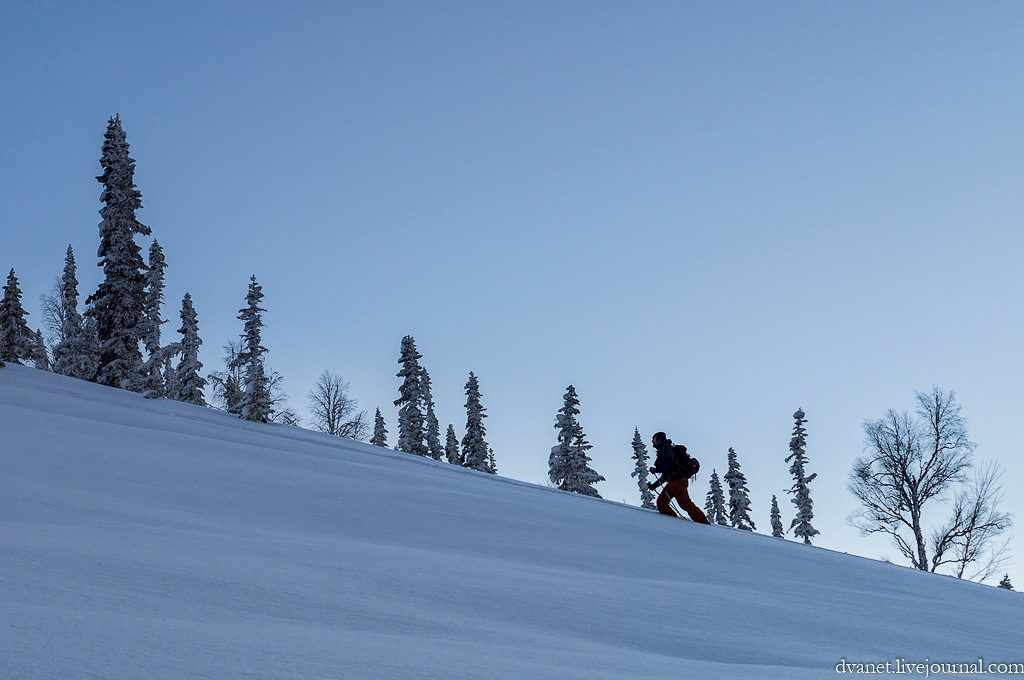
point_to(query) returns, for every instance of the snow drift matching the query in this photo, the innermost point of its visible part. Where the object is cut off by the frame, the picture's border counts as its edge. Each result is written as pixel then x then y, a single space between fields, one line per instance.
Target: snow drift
pixel 154 539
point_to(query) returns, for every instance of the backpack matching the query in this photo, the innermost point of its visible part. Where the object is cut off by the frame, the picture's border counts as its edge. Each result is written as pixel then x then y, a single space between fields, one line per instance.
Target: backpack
pixel 689 465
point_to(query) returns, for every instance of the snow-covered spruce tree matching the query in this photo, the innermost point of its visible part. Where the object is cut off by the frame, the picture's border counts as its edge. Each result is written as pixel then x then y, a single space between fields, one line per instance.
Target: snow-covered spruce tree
pixel 151 370
pixel 714 507
pixel 17 342
pixel 40 359
pixel 431 428
pixel 189 383
pixel 257 402
pixel 569 465
pixel 75 354
pixel 411 432
pixel 640 470
pixel 739 498
pixel 170 375
pixel 1005 583
pixel 380 433
pixel 118 305
pixel 778 531
pixel 801 525
pixel 451 447
pixel 491 460
pixel 475 452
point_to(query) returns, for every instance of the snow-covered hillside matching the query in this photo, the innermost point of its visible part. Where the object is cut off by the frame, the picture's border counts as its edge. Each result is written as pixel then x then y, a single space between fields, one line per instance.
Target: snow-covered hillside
pixel 153 539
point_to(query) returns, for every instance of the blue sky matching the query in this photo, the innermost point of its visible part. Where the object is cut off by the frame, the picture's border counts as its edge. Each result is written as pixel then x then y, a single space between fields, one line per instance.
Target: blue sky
pixel 703 216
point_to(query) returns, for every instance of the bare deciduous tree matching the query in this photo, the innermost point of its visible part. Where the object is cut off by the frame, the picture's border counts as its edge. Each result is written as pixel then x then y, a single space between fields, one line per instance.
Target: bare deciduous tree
pixel 334 411
pixel 227 384
pixel 968 541
pixel 913 464
pixel 54 309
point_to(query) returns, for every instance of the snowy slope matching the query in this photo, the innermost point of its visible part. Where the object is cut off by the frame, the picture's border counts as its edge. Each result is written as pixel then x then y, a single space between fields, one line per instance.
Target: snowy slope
pixel 152 539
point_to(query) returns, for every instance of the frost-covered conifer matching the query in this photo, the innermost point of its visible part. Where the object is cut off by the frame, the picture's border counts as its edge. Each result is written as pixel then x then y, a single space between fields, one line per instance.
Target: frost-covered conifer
pixel 17 342
pixel 739 499
pixel 380 433
pixel 491 460
pixel 153 385
pixel 451 447
pixel 640 470
pixel 1005 583
pixel 118 305
pixel 40 358
pixel 801 525
pixel 475 452
pixel 170 375
pixel 76 354
pixel 714 507
pixel 411 430
pixel 778 531
pixel 569 465
pixel 257 402
pixel 189 383
pixel 432 429
pixel 90 357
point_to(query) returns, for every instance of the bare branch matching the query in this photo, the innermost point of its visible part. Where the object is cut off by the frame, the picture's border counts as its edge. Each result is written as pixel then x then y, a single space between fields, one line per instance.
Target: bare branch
pixel 333 411
pixel 968 539
pixel 913 463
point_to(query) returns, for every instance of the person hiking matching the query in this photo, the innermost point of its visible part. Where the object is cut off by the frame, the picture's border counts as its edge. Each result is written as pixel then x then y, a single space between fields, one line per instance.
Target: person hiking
pixel 669 465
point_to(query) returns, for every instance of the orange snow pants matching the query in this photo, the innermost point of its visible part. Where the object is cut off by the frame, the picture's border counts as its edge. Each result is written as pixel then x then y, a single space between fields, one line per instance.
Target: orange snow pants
pixel 677 489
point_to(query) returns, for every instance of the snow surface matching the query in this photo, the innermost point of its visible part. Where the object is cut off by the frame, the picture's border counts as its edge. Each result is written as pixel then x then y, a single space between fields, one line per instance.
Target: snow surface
pixel 154 539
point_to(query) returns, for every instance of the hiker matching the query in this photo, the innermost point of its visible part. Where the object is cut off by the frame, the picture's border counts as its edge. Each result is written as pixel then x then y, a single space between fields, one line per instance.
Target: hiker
pixel 669 466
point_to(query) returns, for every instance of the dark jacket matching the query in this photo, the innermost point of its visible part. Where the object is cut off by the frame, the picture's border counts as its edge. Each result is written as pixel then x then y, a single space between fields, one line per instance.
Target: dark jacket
pixel 666 464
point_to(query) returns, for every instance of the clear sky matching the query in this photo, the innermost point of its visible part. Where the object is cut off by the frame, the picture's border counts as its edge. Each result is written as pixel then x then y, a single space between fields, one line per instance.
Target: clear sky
pixel 702 215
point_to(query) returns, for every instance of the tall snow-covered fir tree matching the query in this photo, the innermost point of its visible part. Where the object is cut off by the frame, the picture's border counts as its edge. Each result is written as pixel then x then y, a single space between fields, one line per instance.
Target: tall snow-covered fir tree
pixel 257 402
pixel 76 352
pixel 801 525
pixel 714 506
pixel 380 432
pixel 189 382
pixel 451 447
pixel 431 428
pixel 778 531
pixel 411 429
pixel 739 495
pixel 151 375
pixel 17 342
pixel 475 452
pixel 640 470
pixel 569 465
pixel 118 305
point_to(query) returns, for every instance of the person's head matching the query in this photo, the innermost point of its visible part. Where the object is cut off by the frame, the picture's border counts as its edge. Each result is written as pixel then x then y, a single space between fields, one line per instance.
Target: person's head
pixel 658 438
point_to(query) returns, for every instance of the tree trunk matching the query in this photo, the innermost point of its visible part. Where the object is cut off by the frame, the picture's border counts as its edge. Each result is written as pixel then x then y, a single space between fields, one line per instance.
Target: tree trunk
pixel 922 553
